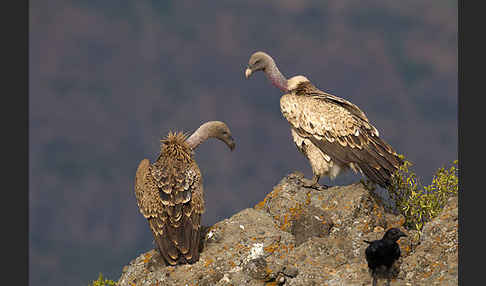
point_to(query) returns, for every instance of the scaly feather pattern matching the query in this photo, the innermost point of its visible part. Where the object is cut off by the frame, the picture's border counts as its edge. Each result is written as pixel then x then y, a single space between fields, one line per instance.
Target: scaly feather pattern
pixel 332 131
pixel 169 194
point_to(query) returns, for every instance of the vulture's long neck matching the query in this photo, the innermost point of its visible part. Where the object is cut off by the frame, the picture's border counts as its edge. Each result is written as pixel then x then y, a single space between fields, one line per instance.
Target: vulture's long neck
pixel 275 76
pixel 199 136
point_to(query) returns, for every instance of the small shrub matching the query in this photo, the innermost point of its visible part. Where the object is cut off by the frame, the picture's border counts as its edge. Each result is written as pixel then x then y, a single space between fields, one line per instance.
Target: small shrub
pixel 421 204
pixel 103 282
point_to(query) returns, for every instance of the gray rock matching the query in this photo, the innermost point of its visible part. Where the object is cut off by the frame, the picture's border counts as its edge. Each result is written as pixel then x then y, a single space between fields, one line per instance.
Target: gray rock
pixel 257 268
pixel 301 236
pixel 291 271
pixel 311 222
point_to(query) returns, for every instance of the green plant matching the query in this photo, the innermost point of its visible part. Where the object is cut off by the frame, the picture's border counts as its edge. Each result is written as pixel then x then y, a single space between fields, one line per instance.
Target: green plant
pixel 103 282
pixel 420 204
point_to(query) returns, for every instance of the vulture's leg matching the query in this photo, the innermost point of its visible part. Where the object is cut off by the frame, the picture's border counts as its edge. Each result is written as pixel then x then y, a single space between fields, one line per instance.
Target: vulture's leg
pixel 375 280
pixel 314 183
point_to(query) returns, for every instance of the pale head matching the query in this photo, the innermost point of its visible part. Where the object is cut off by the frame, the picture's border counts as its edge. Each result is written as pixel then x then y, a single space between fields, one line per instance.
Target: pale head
pixel 294 81
pixel 212 129
pixel 219 130
pixel 259 61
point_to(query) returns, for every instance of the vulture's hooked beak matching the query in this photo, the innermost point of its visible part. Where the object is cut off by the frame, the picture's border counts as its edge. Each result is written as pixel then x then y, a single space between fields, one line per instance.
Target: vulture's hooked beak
pixel 232 145
pixel 248 72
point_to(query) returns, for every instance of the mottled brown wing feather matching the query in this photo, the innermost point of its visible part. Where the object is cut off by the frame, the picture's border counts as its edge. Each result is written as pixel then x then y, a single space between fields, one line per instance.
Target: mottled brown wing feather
pixel 180 241
pixel 308 89
pixel 170 196
pixel 343 132
pixel 146 191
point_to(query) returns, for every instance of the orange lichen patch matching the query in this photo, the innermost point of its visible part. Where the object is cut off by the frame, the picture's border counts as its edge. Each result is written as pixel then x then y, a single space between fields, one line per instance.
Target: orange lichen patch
pixel 365 227
pixel 296 211
pixel 240 246
pixel 208 262
pixel 347 206
pixel 308 199
pixel 376 211
pixel 406 248
pixel 326 207
pixel 438 239
pixel 273 283
pixel 287 249
pixel 268 271
pixel 378 229
pixel 147 257
pixel 331 271
pixel 273 193
pixel 293 214
pixel 232 264
pixel 260 205
pixel 271 248
pixel 428 274
pixel 286 224
pixel 401 221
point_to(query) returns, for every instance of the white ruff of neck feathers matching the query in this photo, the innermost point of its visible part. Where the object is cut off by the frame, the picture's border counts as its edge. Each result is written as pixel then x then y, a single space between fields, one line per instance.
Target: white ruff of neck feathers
pixel 293 82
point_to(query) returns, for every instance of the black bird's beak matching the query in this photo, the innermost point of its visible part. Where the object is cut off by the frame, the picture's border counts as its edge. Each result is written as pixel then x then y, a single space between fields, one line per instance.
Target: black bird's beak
pixel 248 72
pixel 402 234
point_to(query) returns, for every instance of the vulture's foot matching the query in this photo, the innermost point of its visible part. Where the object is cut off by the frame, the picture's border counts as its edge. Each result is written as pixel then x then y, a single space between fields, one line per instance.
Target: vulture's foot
pixel 375 281
pixel 314 183
pixel 319 187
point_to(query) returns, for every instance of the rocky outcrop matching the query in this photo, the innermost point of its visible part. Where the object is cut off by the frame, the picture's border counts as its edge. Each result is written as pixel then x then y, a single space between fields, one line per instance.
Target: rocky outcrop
pixel 302 236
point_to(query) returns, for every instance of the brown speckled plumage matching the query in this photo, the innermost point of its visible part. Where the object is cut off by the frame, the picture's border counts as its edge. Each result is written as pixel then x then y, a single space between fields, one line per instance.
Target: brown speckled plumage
pixel 331 132
pixel 335 134
pixel 170 196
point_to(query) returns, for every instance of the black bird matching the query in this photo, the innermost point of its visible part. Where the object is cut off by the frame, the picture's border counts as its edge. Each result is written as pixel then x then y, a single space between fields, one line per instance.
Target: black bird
pixel 382 253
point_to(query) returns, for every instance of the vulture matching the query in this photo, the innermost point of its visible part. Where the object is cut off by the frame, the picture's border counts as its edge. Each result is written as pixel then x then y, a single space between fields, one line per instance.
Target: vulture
pixel 170 195
pixel 333 133
pixel 382 253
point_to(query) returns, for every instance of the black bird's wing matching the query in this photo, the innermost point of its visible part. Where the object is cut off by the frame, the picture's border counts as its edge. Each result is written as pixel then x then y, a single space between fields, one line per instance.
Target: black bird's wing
pixel 375 254
pixel 382 252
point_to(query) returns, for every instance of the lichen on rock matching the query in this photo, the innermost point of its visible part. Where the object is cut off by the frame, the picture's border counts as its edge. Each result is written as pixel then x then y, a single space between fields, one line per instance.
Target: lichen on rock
pixel 301 236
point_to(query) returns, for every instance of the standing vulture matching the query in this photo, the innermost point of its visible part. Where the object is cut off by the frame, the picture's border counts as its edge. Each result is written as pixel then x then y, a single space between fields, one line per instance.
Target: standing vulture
pixel 170 194
pixel 331 132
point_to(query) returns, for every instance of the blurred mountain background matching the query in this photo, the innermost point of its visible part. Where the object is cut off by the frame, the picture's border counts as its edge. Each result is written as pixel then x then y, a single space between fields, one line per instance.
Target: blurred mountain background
pixel 108 79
